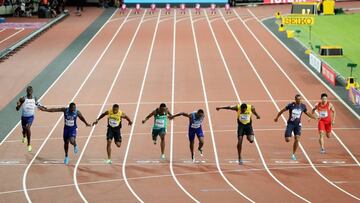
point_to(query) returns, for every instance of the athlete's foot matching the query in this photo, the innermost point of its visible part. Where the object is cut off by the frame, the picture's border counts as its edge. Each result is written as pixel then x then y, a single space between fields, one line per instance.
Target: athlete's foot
pixel 108 161
pixel 163 157
pixel 241 162
pixel 66 160
pixel 29 148
pixel 293 157
pixel 322 151
pixel 23 140
pixel 200 152
pixel 76 149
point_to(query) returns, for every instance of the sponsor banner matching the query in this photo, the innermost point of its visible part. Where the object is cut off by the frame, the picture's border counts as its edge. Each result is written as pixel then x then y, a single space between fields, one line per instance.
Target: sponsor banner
pixel 328 73
pixel 354 96
pixel 298 20
pixel 285 1
pixel 315 62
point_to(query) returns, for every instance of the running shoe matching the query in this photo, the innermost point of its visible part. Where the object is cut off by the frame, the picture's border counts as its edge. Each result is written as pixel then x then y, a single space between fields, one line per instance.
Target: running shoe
pixel 193 158
pixel 23 139
pixel 241 162
pixel 322 151
pixel 29 148
pixel 66 160
pixel 109 161
pixel 201 152
pixel 154 139
pixel 163 157
pixel 76 149
pixel 293 157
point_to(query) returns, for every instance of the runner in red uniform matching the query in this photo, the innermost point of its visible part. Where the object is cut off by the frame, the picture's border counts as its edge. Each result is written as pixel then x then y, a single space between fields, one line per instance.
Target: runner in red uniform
pixel 326 119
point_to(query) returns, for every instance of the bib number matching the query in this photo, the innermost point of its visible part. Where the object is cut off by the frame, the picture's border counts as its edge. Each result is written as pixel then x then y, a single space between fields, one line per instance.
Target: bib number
pixel 160 123
pixel 296 113
pixel 69 123
pixel 323 114
pixel 113 123
pixel 244 118
pixel 195 125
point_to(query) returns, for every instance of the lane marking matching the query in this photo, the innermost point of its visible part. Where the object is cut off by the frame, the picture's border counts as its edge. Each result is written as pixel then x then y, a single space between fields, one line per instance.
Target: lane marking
pixel 20 30
pixel 208 111
pixel 239 100
pixel 106 99
pixel 161 176
pixel 137 110
pixel 58 121
pixel 283 117
pixel 172 112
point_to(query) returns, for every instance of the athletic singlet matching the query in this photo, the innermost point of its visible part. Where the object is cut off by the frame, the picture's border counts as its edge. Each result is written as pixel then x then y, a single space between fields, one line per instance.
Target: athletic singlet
pixel 195 122
pixel 28 107
pixel 70 118
pixel 160 120
pixel 114 120
pixel 324 111
pixel 244 118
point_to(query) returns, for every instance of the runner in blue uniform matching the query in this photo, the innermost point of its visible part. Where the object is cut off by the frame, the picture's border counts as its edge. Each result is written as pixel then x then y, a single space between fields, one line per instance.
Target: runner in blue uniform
pixel 294 122
pixel 70 127
pixel 195 128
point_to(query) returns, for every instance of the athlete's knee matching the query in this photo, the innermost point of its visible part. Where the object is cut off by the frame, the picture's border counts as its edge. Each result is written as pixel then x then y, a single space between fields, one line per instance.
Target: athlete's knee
pixel 118 144
pixel 297 138
pixel 287 139
pixel 328 135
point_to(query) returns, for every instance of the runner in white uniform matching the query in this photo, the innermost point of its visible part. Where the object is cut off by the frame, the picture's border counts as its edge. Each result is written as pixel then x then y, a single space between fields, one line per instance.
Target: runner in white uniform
pixel 27 105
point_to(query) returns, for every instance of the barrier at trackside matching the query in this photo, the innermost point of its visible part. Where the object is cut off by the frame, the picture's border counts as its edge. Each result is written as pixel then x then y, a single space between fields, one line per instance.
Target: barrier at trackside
pixel 315 62
pixel 354 96
pixel 328 73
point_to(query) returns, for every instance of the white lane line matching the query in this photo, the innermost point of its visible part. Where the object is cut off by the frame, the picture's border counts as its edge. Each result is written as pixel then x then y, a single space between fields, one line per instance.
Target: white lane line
pixel 297 88
pixel 106 99
pixel 308 69
pixel 58 121
pixel 239 100
pixel 66 69
pixel 283 117
pixel 172 112
pixel 137 110
pixel 209 115
pixel 163 176
pixel 22 29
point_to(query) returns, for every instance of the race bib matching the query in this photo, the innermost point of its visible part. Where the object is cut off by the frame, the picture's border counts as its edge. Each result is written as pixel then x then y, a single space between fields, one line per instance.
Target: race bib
pixel 244 117
pixel 323 114
pixel 113 123
pixel 69 123
pixel 295 114
pixel 195 125
pixel 160 123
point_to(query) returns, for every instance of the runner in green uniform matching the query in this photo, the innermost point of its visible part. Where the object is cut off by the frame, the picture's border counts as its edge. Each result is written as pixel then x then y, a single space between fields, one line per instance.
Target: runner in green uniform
pixel 161 116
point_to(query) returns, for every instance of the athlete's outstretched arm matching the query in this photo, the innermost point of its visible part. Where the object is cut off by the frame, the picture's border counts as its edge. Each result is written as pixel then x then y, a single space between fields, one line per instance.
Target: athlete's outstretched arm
pixel 279 114
pixel 310 115
pixel 100 117
pixel 233 108
pixel 181 114
pixel 254 112
pixel 62 109
pixel 19 103
pixel 127 118
pixel 149 116
pixel 314 109
pixel 81 117
pixel 169 114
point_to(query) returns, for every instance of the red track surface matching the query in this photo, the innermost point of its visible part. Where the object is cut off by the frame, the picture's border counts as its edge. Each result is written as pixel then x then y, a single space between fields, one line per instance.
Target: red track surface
pixel 137 71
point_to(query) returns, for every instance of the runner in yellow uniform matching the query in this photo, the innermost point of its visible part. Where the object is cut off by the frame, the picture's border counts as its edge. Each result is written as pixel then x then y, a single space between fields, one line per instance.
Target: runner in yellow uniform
pixel 244 120
pixel 115 117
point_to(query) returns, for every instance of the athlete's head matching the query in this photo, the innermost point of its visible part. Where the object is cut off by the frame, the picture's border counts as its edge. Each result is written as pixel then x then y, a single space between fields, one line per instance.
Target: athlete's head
pixel 115 108
pixel 72 107
pixel 29 90
pixel 324 97
pixel 243 107
pixel 200 113
pixel 162 108
pixel 298 99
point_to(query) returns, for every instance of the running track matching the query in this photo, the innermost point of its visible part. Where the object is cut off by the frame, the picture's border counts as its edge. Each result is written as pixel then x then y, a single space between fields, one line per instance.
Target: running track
pixel 189 62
